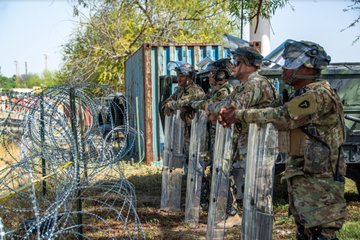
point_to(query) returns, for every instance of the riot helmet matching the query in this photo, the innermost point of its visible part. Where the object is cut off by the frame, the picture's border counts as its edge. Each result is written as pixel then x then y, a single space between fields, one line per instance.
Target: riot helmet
pixel 309 54
pixel 222 69
pixel 207 68
pixel 247 55
pixel 181 67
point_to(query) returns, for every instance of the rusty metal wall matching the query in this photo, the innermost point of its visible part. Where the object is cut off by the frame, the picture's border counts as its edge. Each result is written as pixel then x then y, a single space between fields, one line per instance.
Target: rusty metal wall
pixel 142 72
pixel 134 70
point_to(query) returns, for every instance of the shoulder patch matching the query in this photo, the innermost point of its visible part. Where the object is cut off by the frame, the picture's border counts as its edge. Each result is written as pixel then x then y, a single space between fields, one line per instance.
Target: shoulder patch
pixel 219 94
pixel 302 106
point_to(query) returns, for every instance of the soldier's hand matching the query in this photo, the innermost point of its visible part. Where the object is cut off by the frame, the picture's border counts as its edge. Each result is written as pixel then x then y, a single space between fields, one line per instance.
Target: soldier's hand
pixel 169 104
pixel 168 111
pixel 167 108
pixel 186 108
pixel 227 115
pixel 212 117
pixel 187 115
pixel 219 117
pixel 196 104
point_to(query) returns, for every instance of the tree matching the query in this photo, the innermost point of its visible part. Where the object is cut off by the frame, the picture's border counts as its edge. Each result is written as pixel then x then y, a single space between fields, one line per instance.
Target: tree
pixel 46 79
pixel 6 83
pixel 254 9
pixel 355 6
pixel 116 29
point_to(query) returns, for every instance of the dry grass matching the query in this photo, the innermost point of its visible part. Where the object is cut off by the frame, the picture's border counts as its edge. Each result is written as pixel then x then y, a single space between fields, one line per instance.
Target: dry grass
pixel 161 225
pixel 9 152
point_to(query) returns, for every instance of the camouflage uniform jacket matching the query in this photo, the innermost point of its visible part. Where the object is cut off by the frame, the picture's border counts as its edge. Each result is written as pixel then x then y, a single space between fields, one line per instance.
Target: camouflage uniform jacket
pixel 257 92
pixel 215 96
pixel 183 96
pixel 209 94
pixel 315 121
pixel 323 121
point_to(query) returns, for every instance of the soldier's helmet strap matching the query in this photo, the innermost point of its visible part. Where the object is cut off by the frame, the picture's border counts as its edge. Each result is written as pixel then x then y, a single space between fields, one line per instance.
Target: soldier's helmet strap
pixel 295 75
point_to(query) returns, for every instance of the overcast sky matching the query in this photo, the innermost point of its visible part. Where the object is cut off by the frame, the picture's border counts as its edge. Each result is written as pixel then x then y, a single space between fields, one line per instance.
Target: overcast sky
pixel 31 28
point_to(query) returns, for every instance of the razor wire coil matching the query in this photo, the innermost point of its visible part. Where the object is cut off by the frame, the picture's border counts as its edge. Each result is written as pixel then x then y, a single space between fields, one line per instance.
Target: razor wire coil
pixel 59 168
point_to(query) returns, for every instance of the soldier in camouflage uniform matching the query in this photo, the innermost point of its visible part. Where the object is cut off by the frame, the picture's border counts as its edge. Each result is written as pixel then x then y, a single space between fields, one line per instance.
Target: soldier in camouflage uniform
pixel 255 91
pixel 219 73
pixel 186 92
pixel 314 119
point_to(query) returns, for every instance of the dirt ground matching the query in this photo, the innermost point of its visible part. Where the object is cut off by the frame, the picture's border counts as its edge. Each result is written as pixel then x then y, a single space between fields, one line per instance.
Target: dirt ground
pixel 164 225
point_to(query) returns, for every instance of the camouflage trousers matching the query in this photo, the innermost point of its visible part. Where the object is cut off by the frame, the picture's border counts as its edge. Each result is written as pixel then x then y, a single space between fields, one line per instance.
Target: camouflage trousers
pixel 187 134
pixel 317 204
pixel 206 186
pixel 206 180
pixel 239 161
pixel 231 205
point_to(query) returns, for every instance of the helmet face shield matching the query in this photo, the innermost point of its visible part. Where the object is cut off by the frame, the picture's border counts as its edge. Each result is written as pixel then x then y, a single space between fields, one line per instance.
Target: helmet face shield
pixel 248 56
pixel 171 66
pixel 295 61
pixel 208 68
pixel 180 67
pixel 214 67
pixel 305 53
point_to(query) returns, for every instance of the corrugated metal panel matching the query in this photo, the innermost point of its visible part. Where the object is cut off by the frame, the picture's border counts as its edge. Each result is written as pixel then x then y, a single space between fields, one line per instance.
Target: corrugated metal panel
pixel 134 78
pixel 142 73
pixel 156 67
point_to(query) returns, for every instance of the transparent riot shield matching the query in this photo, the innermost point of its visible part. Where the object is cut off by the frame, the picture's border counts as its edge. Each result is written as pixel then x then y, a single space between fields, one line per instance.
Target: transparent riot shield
pixel 167 155
pixel 238 172
pixel 219 182
pixel 195 167
pixel 257 222
pixel 173 163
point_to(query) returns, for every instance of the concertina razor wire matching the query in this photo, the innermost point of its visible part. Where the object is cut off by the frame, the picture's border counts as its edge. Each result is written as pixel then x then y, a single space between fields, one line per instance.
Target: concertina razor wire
pixel 60 176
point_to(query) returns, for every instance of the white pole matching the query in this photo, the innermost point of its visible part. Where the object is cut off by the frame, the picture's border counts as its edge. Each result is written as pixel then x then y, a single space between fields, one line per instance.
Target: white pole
pixel 2 231
pixel 138 128
pixel 262 34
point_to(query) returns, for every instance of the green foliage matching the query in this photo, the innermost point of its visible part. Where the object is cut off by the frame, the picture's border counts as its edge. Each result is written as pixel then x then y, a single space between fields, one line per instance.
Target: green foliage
pixel 30 80
pixel 47 79
pixel 116 29
pixel 7 83
pixel 350 230
pixel 255 8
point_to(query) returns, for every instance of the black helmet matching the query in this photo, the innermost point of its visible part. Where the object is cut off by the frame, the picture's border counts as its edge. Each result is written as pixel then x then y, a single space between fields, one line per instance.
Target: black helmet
pixel 222 69
pixel 181 67
pixel 207 68
pixel 247 55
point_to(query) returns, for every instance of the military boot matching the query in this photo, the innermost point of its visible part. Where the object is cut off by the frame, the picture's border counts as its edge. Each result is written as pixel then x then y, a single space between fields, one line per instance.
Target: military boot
pixel 230 222
pixel 232 216
pixel 320 234
pixel 300 232
pixel 321 237
pixel 204 195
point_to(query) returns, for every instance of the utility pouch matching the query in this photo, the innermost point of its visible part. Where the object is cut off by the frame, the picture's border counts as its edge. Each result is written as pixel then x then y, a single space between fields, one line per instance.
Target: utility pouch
pixel 284 141
pixel 316 156
pixel 297 138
